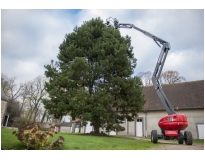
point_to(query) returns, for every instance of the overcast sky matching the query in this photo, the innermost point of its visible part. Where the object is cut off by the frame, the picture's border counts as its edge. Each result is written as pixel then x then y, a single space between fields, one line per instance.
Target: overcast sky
pixel 30 38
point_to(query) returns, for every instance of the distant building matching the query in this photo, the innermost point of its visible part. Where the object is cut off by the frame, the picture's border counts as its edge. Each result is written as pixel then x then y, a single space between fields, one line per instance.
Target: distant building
pixel 186 98
pixel 4 113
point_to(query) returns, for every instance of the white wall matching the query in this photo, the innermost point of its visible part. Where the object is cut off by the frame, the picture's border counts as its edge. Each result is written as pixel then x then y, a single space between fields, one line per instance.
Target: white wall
pixel 194 117
pixel 65 129
pixel 66 119
pixel 89 128
pixel 131 128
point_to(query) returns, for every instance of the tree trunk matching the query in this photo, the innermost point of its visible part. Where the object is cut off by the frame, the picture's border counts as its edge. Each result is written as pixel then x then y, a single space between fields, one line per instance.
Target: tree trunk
pixel 28 114
pixel 44 116
pixel 96 129
pixel 31 114
pixel 35 114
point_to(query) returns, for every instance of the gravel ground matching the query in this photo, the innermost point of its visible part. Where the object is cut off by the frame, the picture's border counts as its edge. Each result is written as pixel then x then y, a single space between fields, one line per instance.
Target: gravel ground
pixel 170 145
pixel 173 145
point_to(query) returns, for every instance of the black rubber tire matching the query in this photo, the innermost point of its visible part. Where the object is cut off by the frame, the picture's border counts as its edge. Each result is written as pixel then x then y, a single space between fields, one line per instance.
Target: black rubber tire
pixel 188 138
pixel 154 136
pixel 180 140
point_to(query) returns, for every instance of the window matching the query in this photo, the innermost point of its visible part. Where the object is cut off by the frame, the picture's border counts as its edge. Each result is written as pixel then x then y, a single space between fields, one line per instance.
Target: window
pixel 139 120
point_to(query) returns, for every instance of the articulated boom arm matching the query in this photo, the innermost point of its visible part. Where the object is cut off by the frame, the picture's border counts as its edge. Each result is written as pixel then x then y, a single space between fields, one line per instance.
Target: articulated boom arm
pixel 160 63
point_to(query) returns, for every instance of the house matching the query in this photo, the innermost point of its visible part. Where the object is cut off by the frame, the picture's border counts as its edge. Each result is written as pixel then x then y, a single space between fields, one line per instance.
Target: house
pixel 186 98
pixel 65 127
pixel 4 113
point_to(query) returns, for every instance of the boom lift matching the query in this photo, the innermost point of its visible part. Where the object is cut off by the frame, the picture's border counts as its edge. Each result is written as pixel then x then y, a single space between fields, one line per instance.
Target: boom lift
pixel 171 125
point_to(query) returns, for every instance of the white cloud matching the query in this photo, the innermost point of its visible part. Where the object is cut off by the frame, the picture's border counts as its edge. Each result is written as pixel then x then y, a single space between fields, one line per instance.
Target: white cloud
pixel 26 67
pixel 33 37
pixel 189 65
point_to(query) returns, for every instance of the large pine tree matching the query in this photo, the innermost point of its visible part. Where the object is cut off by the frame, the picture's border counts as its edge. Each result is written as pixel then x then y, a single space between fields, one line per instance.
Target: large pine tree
pixel 92 78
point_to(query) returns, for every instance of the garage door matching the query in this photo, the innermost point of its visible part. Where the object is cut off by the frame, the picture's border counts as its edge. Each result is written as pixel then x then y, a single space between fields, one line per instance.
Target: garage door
pixel 89 128
pixel 139 127
pixel 201 130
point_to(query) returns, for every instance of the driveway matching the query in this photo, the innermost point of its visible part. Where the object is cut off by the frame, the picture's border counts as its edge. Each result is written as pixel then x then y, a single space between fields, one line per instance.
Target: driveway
pixel 173 145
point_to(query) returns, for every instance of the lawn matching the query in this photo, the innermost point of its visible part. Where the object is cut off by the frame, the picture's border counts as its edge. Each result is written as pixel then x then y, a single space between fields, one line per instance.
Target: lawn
pixel 80 142
pixel 84 142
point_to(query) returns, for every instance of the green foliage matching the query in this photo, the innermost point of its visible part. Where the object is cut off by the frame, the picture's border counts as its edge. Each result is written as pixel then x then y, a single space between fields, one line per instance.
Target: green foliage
pixel 32 137
pixel 82 142
pixel 92 78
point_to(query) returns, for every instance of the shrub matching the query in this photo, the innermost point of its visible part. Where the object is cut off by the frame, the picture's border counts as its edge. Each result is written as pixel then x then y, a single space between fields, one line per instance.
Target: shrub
pixel 18 121
pixel 33 138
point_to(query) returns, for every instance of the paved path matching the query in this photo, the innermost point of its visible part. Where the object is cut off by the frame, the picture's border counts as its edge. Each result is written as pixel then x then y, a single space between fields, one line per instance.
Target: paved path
pixel 173 145
pixel 170 145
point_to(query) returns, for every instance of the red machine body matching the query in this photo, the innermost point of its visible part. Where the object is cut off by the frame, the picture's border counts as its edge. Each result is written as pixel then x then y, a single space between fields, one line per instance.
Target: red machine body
pixel 173 122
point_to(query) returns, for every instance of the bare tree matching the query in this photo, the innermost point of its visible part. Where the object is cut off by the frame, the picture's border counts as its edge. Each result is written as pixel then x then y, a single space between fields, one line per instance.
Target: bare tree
pixel 23 97
pixel 28 96
pixel 11 90
pixel 169 77
pixel 4 84
pixel 146 78
pixel 9 87
pixel 45 112
pixel 35 91
pixel 13 110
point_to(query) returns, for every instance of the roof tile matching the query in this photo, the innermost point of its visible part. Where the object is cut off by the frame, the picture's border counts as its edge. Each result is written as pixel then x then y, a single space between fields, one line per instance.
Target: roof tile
pixel 186 95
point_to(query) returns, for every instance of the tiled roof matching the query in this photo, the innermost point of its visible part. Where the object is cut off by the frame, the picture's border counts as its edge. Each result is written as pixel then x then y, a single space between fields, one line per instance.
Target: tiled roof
pixel 186 95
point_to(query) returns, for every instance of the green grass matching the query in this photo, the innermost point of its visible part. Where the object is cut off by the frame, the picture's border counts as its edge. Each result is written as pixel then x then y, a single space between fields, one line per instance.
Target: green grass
pixel 85 142
pixel 9 141
pixel 81 142
pixel 198 141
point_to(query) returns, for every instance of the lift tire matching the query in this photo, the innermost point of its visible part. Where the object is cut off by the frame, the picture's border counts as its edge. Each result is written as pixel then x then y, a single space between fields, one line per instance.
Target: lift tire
pixel 154 136
pixel 180 140
pixel 188 138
